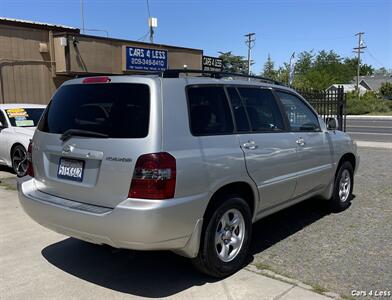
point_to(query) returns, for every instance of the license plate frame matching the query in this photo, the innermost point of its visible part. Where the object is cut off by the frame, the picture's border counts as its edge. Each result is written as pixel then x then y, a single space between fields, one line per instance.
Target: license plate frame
pixel 71 169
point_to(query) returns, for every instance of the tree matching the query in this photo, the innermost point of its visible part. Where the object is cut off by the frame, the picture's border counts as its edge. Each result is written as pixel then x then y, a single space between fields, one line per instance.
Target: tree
pixel 386 90
pixel 381 71
pixel 304 62
pixel 269 68
pixel 234 63
pixel 364 69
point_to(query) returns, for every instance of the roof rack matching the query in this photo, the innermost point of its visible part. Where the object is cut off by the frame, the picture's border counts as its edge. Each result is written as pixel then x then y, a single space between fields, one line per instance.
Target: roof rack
pixel 175 73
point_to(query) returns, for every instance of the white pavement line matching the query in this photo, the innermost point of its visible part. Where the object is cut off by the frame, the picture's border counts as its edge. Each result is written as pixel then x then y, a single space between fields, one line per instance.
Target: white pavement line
pixel 368 144
pixel 368 126
pixel 371 133
pixel 369 117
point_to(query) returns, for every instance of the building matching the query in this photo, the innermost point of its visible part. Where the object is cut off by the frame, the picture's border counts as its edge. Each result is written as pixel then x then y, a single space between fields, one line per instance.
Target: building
pixel 36 58
pixel 374 82
pixel 347 88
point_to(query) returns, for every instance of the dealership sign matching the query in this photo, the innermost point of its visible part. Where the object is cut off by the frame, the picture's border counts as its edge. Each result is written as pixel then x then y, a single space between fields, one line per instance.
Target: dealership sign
pixel 145 59
pixel 212 64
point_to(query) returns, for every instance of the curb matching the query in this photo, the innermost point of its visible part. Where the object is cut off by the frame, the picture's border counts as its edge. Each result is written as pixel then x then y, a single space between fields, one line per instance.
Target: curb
pixel 379 145
pixel 294 282
pixel 365 117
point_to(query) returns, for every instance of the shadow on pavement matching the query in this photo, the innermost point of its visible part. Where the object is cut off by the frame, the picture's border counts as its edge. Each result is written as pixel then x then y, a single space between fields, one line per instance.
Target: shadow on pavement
pixel 161 274
pixel 276 227
pixel 146 274
pixel 7 169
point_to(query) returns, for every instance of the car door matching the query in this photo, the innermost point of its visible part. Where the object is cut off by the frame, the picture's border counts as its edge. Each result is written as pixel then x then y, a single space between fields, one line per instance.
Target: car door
pixel 268 147
pixel 313 149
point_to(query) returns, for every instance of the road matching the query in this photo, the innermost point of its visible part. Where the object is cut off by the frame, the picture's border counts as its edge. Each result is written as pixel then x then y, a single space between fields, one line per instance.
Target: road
pixel 370 129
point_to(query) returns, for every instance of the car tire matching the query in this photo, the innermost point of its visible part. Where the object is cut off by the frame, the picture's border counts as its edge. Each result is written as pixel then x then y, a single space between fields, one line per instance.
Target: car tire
pixel 225 240
pixel 343 187
pixel 19 160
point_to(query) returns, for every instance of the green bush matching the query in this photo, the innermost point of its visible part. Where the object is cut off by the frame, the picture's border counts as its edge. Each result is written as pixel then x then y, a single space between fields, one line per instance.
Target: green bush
pixel 386 89
pixel 367 103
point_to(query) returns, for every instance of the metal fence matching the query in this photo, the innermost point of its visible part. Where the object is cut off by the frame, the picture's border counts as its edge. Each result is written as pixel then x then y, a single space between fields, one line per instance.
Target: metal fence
pixel 328 104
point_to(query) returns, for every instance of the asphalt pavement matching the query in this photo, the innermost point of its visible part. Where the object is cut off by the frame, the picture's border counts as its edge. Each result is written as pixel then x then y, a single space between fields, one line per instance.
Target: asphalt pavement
pixel 370 128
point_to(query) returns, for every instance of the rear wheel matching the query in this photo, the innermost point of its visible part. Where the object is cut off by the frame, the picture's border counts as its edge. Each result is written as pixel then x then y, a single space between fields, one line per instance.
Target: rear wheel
pixel 19 160
pixel 225 242
pixel 343 187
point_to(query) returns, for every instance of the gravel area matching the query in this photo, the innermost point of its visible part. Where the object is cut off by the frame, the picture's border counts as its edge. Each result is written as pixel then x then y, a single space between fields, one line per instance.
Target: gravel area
pixel 351 250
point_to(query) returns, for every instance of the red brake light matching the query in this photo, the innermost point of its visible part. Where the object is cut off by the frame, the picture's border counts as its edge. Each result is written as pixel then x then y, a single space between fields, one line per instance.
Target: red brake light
pixel 154 177
pixel 30 171
pixel 100 79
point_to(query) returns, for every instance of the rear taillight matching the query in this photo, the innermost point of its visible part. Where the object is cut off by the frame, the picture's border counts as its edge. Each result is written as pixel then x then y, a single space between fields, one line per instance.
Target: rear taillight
pixel 154 177
pixel 30 171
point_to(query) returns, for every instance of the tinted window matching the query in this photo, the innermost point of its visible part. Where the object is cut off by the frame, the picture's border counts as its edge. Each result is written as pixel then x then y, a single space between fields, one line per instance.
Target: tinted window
pixel 262 109
pixel 3 120
pixel 118 110
pixel 24 117
pixel 300 116
pixel 241 120
pixel 209 111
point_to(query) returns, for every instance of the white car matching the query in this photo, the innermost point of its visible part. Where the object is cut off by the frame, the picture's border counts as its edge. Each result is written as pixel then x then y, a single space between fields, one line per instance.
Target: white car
pixel 17 125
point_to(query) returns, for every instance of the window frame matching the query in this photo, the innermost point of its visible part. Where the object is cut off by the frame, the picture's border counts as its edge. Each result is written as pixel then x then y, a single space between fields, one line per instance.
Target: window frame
pixel 301 99
pixel 190 86
pixel 286 125
pixel 43 122
pixel 5 117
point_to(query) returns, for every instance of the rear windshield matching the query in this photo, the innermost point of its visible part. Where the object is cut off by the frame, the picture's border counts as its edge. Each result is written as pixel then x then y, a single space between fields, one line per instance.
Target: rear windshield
pixel 118 110
pixel 24 117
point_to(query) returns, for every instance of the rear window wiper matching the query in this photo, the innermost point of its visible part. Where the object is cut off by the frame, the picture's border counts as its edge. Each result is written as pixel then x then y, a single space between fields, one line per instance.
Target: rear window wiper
pixel 78 132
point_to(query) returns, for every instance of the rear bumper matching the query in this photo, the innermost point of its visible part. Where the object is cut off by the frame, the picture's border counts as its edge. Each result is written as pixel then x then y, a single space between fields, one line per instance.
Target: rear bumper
pixel 133 224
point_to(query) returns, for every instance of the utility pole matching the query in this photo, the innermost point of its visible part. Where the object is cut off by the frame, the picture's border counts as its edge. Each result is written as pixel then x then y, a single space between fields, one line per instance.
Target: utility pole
pixel 152 23
pixel 250 42
pixel 358 51
pixel 82 14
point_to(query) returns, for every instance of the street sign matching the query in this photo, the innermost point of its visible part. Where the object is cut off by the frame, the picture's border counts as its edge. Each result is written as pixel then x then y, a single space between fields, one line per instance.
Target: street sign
pixel 145 59
pixel 212 64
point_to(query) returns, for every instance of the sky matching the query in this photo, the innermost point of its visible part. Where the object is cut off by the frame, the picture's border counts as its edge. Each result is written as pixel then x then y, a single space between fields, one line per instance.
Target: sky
pixel 281 26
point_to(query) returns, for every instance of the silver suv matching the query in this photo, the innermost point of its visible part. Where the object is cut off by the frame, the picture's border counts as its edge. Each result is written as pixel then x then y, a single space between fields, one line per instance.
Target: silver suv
pixel 185 164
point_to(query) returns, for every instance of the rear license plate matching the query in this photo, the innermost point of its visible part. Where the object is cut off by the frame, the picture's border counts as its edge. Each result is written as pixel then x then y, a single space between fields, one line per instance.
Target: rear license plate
pixel 71 169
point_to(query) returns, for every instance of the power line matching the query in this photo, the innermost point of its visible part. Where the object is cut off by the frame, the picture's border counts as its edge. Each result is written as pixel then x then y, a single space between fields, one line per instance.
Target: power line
pixel 375 59
pixel 148 9
pixel 142 38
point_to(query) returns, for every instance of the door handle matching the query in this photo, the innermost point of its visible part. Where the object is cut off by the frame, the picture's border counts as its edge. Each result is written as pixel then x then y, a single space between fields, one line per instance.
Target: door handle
pixel 251 145
pixel 300 142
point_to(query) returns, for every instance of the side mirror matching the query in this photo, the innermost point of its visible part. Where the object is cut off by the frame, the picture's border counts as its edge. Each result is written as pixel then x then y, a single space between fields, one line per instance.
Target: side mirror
pixel 1 125
pixel 332 123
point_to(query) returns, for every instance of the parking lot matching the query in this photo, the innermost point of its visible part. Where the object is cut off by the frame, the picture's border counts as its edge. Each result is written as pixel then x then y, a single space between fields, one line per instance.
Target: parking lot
pixel 336 252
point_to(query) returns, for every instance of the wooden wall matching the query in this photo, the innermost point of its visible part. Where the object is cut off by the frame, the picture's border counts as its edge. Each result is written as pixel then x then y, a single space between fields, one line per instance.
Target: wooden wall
pixel 25 73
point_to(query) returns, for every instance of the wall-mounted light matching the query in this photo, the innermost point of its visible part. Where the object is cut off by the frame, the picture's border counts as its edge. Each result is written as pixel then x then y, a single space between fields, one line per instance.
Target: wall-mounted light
pixel 63 42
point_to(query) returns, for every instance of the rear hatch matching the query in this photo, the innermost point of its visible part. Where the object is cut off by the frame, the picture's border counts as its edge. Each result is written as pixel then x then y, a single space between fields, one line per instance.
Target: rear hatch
pixel 88 141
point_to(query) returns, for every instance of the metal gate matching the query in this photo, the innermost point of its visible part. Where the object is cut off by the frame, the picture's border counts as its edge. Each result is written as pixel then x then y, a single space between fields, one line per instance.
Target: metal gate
pixel 328 104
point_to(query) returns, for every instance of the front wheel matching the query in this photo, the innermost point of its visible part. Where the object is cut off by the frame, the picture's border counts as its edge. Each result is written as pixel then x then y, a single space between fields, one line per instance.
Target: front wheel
pixel 19 160
pixel 343 187
pixel 224 246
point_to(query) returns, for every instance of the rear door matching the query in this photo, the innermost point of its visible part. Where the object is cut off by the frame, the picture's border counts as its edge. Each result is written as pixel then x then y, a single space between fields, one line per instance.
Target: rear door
pixel 95 165
pixel 313 149
pixel 269 149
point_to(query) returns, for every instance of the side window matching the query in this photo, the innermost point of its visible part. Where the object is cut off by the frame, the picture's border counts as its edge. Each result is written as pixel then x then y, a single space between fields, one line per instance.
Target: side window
pixel 301 118
pixel 3 121
pixel 262 109
pixel 209 111
pixel 241 120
